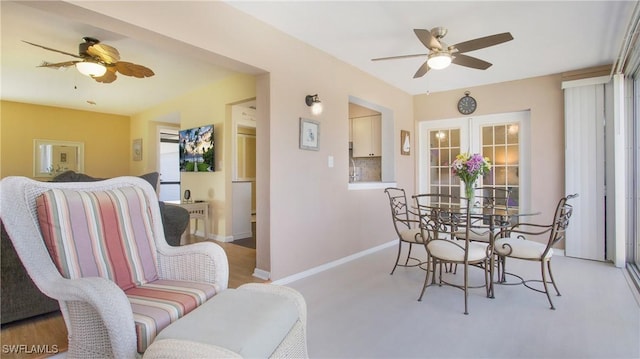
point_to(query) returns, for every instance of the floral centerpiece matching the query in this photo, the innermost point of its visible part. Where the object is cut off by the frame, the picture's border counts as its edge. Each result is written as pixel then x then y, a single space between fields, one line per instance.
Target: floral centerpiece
pixel 469 167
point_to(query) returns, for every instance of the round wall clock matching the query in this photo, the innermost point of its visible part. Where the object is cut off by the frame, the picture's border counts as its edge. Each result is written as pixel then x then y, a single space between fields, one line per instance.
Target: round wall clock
pixel 467 104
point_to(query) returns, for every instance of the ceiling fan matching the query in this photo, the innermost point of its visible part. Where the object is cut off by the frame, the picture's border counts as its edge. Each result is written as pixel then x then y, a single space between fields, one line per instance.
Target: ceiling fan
pixel 440 55
pixel 98 61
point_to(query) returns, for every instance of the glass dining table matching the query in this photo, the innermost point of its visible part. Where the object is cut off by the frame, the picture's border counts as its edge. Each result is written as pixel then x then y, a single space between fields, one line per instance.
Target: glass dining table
pixel 487 224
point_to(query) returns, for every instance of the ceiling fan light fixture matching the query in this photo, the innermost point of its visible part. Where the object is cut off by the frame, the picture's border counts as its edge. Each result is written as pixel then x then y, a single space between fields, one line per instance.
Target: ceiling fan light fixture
pixel 91 69
pixel 439 60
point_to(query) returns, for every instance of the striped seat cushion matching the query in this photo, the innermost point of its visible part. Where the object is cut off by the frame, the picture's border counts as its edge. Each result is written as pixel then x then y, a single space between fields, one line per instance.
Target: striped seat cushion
pixel 100 234
pixel 157 304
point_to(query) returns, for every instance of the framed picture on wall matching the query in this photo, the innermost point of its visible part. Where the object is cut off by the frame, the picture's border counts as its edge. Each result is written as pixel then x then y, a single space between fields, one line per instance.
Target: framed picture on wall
pixel 309 134
pixel 137 149
pixel 405 143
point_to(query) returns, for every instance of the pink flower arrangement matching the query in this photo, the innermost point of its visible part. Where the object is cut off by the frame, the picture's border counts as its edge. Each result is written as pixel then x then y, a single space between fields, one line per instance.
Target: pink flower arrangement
pixel 470 166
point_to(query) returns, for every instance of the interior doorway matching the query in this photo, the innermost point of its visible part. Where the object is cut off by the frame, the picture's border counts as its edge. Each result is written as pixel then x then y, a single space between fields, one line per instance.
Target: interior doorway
pixel 244 174
pixel 169 166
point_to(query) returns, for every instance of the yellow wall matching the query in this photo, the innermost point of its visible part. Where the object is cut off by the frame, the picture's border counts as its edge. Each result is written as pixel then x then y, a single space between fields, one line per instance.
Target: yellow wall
pixel 106 138
pixel 205 106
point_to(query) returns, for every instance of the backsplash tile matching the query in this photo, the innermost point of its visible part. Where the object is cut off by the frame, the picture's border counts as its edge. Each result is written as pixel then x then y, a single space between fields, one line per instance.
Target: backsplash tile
pixel 370 168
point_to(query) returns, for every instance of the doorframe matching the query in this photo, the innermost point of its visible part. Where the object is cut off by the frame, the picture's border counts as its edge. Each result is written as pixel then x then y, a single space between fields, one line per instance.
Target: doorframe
pixel 469 127
pixel 159 129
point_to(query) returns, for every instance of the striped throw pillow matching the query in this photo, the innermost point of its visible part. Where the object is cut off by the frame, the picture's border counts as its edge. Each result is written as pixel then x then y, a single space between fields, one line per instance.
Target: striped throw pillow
pixel 100 234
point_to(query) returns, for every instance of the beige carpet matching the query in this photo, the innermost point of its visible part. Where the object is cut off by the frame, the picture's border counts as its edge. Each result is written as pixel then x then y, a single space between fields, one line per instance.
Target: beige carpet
pixel 358 310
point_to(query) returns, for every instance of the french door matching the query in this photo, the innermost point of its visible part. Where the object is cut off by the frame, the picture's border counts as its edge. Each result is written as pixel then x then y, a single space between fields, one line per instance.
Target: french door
pixel 503 138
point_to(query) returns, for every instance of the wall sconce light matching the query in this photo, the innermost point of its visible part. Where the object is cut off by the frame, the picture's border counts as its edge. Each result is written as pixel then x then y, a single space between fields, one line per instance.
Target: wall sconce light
pixel 314 102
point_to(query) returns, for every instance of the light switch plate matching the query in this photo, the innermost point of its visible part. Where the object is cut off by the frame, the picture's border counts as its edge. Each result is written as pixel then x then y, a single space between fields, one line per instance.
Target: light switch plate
pixel 330 161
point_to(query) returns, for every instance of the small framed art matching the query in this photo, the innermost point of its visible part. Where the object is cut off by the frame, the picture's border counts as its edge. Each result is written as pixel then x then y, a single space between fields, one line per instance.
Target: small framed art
pixel 405 143
pixel 309 134
pixel 137 149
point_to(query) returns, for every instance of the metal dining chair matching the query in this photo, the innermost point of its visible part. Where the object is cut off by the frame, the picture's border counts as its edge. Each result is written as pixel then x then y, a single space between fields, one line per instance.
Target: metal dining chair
pixel 405 222
pixel 442 218
pixel 486 198
pixel 517 243
pixel 406 225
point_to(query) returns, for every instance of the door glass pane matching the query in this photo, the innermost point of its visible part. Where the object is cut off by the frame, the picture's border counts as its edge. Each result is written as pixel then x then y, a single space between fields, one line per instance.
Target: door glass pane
pixel 500 158
pixel 512 133
pixel 513 155
pixel 487 132
pixel 441 155
pixel 445 175
pixel 487 151
pixel 512 176
pixel 433 138
pixel 455 138
pixel 501 144
pixel 435 176
pixel 500 135
pixel 434 157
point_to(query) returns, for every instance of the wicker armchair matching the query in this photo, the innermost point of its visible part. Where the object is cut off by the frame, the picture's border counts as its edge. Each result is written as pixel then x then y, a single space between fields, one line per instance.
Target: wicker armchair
pixel 97 313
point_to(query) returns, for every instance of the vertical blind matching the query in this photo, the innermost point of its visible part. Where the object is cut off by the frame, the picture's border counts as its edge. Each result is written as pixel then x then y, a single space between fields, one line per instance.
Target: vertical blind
pixel 584 170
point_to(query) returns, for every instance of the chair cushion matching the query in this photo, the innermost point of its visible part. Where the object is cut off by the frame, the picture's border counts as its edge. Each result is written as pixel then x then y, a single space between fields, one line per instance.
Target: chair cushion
pixel 476 235
pixel 448 250
pixel 413 235
pixel 521 248
pixel 157 304
pixel 247 322
pixel 99 234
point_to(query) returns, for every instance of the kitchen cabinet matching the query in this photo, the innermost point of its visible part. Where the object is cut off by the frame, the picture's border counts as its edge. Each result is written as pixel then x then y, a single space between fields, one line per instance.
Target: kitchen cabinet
pixel 367 136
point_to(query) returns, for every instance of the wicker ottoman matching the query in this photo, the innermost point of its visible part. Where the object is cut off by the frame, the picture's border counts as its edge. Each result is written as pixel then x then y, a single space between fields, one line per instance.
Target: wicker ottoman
pixel 253 321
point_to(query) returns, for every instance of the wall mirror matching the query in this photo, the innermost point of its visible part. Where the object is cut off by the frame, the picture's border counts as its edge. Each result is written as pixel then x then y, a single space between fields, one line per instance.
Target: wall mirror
pixel 51 157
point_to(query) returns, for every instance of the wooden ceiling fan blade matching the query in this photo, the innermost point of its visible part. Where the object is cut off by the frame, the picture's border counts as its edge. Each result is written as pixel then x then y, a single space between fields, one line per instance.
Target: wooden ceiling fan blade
pixel 427 39
pixel 483 42
pixel 422 70
pixel 398 57
pixel 135 70
pixel 54 50
pixel 469 61
pixel 58 65
pixel 106 53
pixel 108 76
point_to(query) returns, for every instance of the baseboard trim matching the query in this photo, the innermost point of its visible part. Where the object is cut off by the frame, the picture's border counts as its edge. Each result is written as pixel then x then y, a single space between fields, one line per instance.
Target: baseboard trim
pixel 262 274
pixel 219 238
pixel 324 267
pixel 242 235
